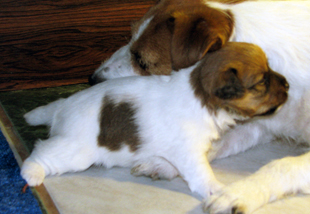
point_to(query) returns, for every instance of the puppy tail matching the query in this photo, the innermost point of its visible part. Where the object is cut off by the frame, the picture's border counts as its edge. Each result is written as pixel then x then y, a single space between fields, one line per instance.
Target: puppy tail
pixel 43 115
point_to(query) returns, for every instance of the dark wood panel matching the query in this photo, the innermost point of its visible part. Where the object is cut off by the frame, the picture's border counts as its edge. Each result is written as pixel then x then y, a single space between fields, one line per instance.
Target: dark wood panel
pixel 51 43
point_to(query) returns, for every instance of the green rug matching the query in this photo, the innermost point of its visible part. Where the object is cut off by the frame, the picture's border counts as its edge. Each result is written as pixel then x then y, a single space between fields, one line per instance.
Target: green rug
pixel 17 103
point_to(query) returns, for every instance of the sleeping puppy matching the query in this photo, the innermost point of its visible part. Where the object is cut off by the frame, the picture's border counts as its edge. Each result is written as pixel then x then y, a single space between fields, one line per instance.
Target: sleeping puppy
pixel 160 126
pixel 177 33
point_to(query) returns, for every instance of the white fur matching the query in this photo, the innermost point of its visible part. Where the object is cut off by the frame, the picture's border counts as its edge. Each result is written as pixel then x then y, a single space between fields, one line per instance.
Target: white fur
pixel 175 130
pixel 282 30
pixel 119 64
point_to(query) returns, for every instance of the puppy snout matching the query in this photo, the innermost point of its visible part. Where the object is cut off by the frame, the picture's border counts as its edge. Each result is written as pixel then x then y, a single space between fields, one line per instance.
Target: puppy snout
pixel 282 80
pixel 287 86
pixel 91 80
pixel 94 79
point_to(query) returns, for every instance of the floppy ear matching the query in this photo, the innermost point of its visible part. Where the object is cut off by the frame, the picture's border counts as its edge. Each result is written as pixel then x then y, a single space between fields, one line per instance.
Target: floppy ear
pixel 230 86
pixel 193 36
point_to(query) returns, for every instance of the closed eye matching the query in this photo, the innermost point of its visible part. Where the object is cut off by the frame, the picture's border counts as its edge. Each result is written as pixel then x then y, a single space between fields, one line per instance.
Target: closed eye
pixel 263 82
pixel 139 61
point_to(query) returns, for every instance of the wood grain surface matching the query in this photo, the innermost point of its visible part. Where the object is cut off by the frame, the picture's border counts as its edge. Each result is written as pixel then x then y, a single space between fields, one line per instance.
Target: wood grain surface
pixel 51 43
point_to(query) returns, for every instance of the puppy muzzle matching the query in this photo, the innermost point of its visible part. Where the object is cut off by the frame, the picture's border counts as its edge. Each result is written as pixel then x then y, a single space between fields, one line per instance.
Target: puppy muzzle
pixel 94 79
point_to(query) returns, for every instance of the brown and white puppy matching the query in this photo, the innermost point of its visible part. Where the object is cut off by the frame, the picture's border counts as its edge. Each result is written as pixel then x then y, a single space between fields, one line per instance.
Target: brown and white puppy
pixel 168 38
pixel 173 34
pixel 161 126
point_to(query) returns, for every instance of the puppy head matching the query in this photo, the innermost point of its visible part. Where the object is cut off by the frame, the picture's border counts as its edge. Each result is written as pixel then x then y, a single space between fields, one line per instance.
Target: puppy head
pixel 237 78
pixel 173 34
pixel 179 34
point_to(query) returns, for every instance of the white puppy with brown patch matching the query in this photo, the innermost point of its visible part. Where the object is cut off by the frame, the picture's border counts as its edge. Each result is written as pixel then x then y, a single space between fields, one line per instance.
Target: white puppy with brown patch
pixel 177 33
pixel 161 126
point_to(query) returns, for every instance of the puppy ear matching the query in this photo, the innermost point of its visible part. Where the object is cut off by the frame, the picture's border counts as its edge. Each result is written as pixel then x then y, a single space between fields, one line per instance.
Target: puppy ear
pixel 230 86
pixel 193 36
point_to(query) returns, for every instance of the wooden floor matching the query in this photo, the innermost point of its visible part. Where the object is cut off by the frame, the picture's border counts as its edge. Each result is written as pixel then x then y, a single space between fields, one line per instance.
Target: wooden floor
pixel 51 43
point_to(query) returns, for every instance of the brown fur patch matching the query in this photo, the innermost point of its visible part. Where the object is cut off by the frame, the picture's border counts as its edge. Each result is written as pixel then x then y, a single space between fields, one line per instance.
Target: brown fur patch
pixel 178 36
pixel 237 78
pixel 117 125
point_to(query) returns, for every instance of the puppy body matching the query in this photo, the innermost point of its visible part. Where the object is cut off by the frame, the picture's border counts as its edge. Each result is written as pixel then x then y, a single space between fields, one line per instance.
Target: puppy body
pixel 173 126
pixel 161 126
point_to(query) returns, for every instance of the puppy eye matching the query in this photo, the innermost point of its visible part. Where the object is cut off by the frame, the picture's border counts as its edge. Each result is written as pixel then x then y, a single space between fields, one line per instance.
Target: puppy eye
pixel 262 82
pixel 139 60
pixel 265 80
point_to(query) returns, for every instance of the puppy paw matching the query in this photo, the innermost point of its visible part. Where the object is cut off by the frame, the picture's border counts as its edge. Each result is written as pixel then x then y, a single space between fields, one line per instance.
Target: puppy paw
pixel 237 198
pixel 156 169
pixel 224 203
pixel 209 189
pixel 33 118
pixel 33 173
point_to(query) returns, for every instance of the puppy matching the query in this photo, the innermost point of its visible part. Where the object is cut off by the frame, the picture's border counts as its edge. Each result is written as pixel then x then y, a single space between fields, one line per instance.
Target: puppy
pixel 175 34
pixel 160 126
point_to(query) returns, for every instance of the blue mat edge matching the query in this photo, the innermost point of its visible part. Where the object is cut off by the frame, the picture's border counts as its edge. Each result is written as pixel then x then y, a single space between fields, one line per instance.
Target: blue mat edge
pixel 12 199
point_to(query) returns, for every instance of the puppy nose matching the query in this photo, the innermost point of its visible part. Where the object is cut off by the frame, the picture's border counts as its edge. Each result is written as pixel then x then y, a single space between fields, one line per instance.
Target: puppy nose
pixel 93 79
pixel 287 86
pixel 283 82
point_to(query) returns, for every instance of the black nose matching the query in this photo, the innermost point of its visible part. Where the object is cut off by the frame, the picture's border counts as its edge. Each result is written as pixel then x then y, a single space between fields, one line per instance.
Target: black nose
pixel 283 81
pixel 93 79
pixel 287 86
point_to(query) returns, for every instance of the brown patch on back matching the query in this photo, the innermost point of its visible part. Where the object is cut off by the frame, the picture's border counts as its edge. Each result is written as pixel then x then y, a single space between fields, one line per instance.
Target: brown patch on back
pixel 117 125
pixel 237 78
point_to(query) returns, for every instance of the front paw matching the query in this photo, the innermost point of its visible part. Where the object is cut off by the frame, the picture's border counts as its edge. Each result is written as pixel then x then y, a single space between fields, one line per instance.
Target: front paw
pixel 206 190
pixel 33 173
pixel 242 197
pixel 223 203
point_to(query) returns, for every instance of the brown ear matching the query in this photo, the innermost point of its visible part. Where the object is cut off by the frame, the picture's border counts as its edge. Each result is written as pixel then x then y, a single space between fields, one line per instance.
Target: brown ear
pixel 229 85
pixel 196 34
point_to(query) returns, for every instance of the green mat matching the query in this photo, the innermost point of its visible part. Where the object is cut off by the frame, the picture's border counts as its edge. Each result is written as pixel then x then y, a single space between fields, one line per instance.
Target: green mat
pixel 17 103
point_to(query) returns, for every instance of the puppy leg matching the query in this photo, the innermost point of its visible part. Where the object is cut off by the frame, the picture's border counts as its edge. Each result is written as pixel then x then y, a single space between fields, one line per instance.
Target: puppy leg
pixel 192 164
pixel 43 115
pixel 56 155
pixel 155 167
pixel 273 181
pixel 239 139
